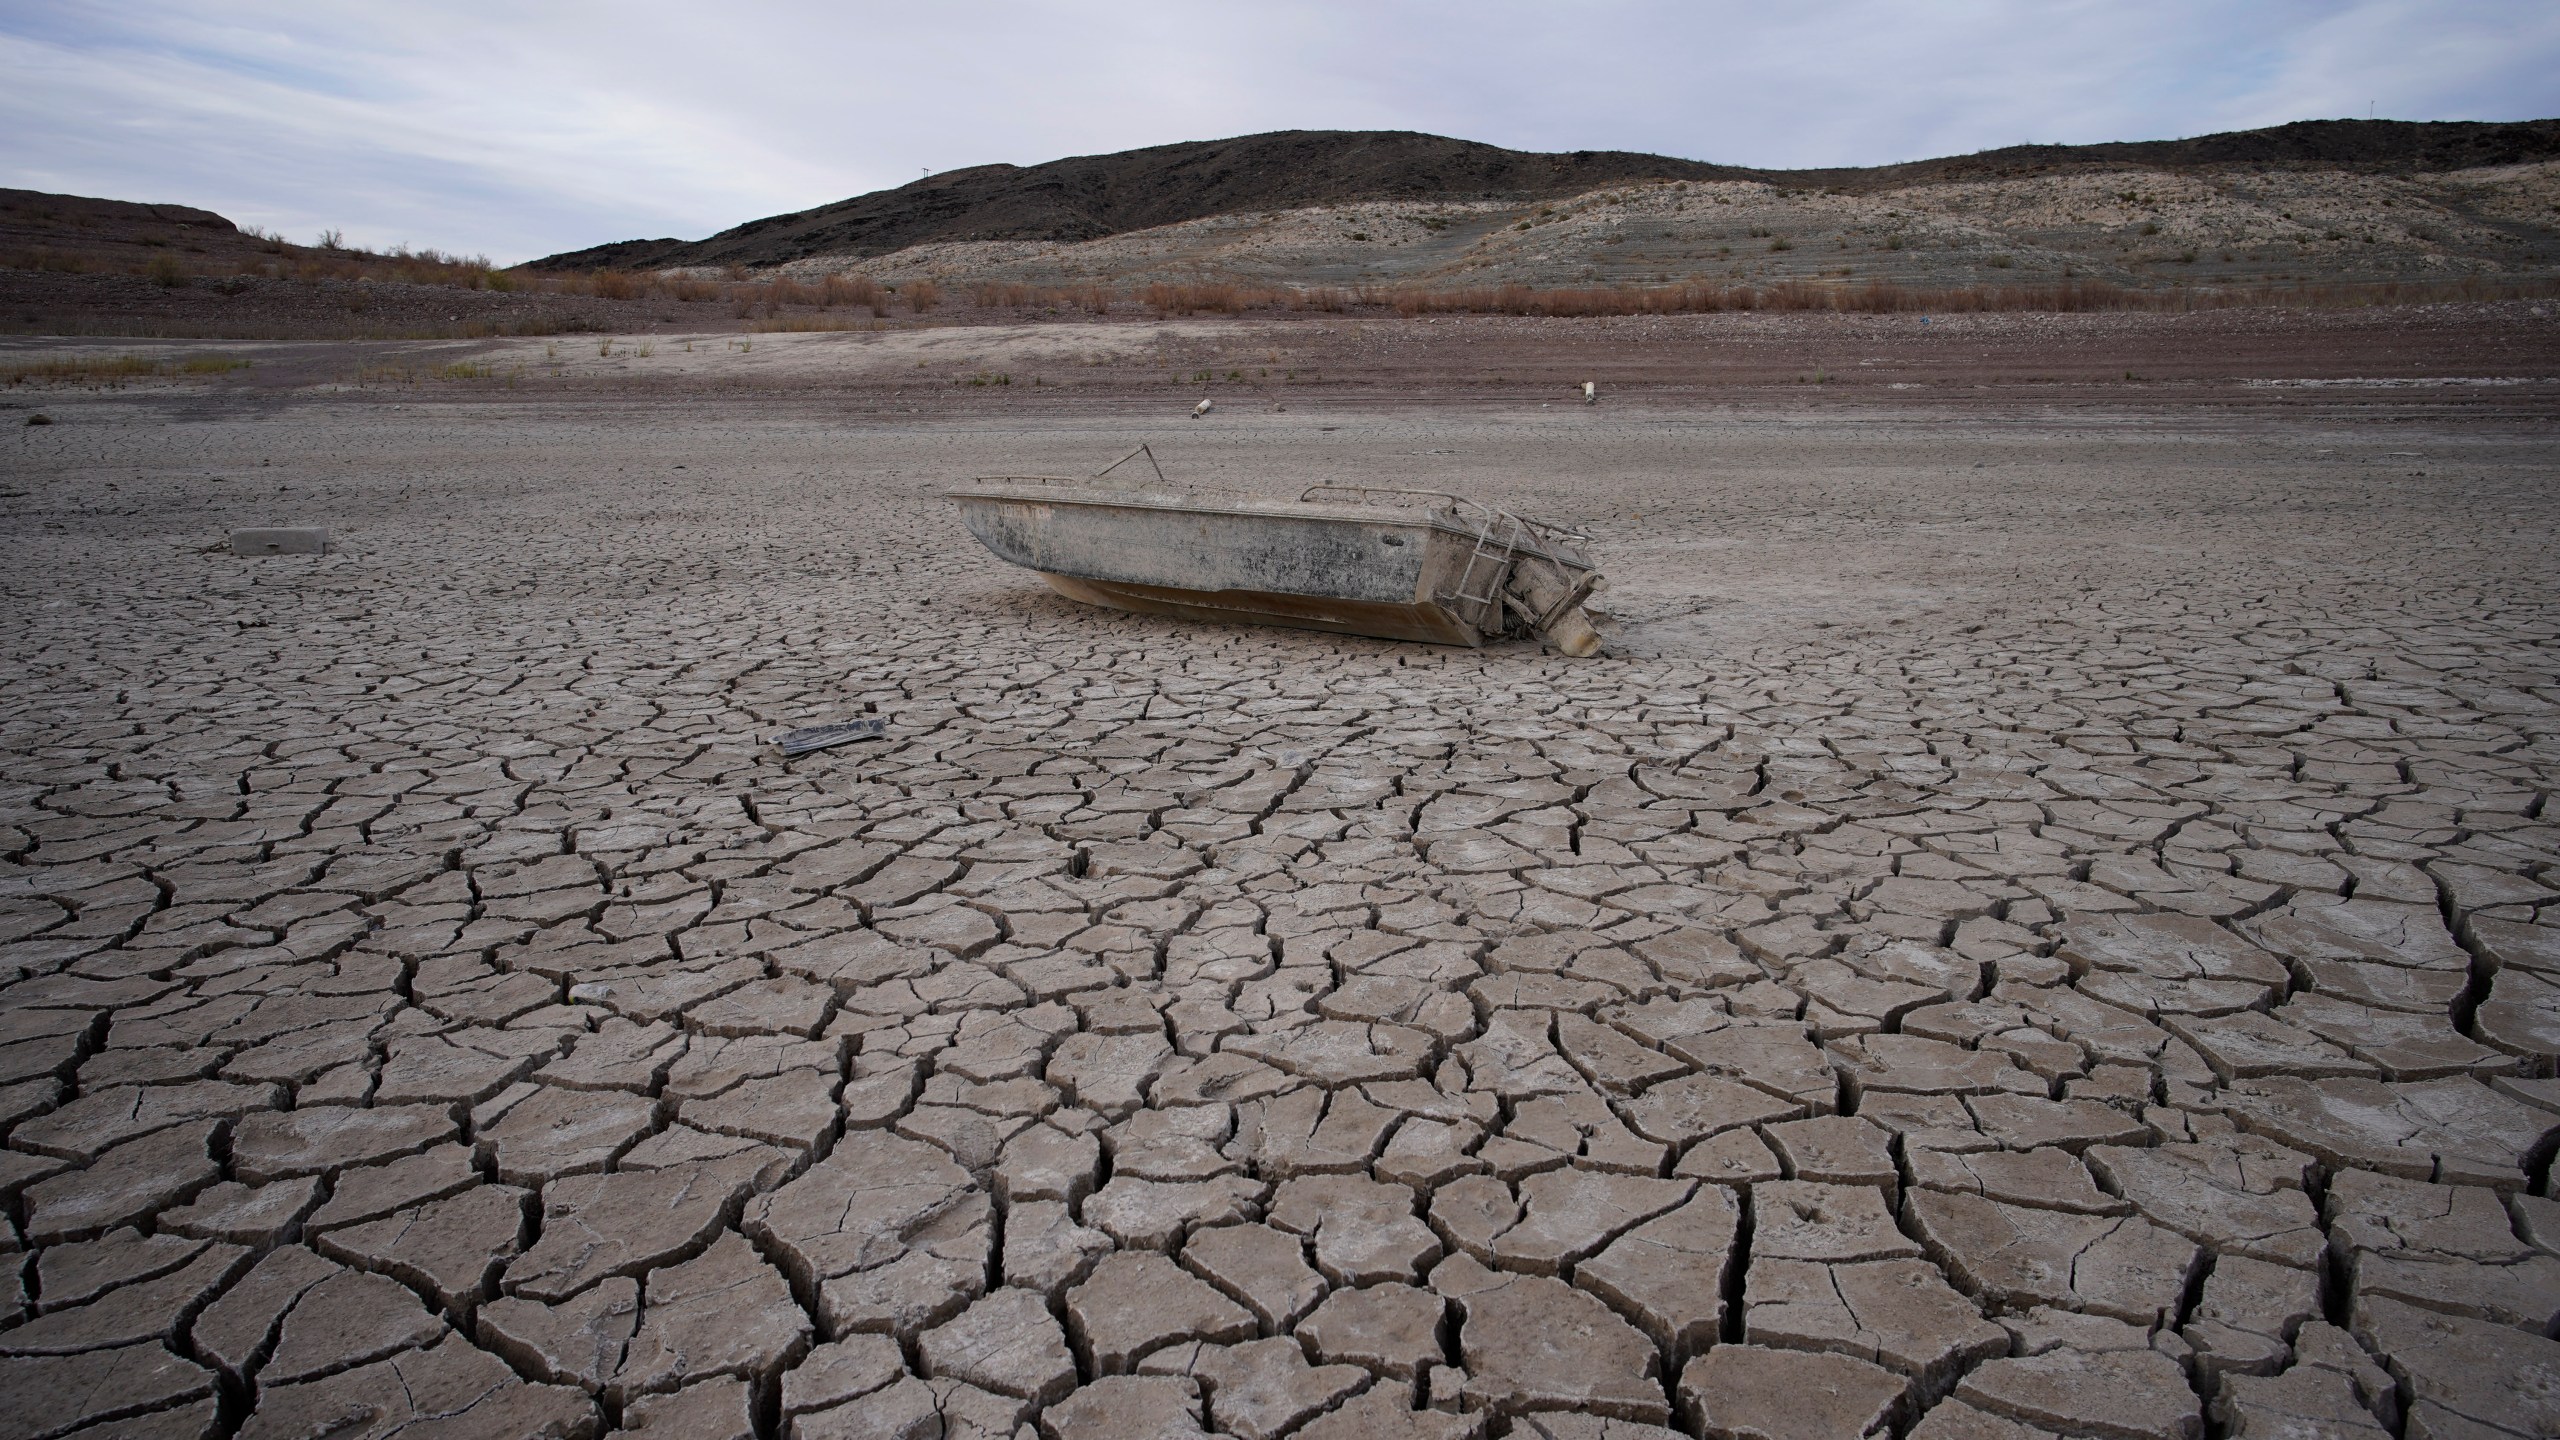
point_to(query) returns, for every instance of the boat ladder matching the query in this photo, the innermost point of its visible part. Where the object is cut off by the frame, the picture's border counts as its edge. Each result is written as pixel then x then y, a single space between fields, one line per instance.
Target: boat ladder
pixel 1499 538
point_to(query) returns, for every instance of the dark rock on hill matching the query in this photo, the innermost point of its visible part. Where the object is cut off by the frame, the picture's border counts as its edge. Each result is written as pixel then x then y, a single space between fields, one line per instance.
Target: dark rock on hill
pixel 1091 196
pixel 38 207
pixel 2390 147
pixel 34 219
pixel 1088 197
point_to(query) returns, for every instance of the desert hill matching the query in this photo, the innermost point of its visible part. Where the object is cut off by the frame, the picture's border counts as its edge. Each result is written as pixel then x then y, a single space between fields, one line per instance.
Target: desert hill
pixel 1097 197
pixel 36 227
pixel 2320 212
pixel 1090 197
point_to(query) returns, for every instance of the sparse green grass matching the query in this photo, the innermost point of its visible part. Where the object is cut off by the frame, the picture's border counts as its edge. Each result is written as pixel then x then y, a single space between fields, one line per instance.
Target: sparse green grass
pixel 93 369
pixel 119 367
pixel 455 372
pixel 800 324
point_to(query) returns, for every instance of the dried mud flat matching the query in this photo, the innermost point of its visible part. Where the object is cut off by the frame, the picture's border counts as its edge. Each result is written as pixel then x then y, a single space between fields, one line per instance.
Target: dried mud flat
pixel 2046 927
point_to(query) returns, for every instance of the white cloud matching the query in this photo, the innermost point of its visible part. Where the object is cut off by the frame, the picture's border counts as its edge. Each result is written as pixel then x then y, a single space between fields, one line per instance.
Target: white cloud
pixel 524 129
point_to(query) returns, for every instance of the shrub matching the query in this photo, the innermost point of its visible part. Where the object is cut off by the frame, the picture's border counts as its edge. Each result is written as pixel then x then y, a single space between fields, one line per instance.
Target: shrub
pixel 1876 296
pixel 1216 299
pixel 782 291
pixel 1006 295
pixel 852 290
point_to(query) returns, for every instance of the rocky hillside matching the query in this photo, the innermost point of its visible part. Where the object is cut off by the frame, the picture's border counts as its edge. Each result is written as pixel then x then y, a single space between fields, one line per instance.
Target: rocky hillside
pixel 1089 197
pixel 2138 228
pixel 1243 182
pixel 37 228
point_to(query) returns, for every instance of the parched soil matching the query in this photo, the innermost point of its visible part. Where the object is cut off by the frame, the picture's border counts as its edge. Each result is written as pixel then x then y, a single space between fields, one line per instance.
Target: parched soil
pixel 2046 922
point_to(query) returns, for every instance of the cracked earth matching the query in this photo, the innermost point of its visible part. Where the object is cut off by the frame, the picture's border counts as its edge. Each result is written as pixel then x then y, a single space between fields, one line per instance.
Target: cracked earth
pixel 2045 927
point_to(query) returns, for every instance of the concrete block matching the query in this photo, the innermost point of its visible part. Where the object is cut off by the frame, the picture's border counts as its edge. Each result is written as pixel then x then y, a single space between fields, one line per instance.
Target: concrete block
pixel 281 540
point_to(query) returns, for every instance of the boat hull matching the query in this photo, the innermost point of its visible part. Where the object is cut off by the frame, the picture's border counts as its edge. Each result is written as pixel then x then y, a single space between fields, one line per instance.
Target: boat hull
pixel 1348 570
pixel 1424 621
pixel 1450 573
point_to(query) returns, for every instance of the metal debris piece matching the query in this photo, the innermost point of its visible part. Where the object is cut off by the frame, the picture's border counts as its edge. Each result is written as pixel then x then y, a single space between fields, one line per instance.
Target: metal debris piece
pixel 1132 455
pixel 827 737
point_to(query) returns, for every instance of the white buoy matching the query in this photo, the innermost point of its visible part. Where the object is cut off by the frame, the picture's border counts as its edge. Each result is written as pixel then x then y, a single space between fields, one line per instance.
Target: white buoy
pixel 1590 392
pixel 1202 408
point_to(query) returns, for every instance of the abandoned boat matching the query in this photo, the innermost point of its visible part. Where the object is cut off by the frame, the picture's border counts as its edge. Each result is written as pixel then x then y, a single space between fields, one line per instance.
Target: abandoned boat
pixel 1357 560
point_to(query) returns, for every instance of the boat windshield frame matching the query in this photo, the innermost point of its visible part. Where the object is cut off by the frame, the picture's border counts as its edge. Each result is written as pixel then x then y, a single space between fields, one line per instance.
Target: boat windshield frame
pixel 1458 505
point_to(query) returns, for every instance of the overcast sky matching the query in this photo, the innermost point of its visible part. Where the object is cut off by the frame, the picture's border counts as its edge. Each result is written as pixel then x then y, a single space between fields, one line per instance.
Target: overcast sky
pixel 521 129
